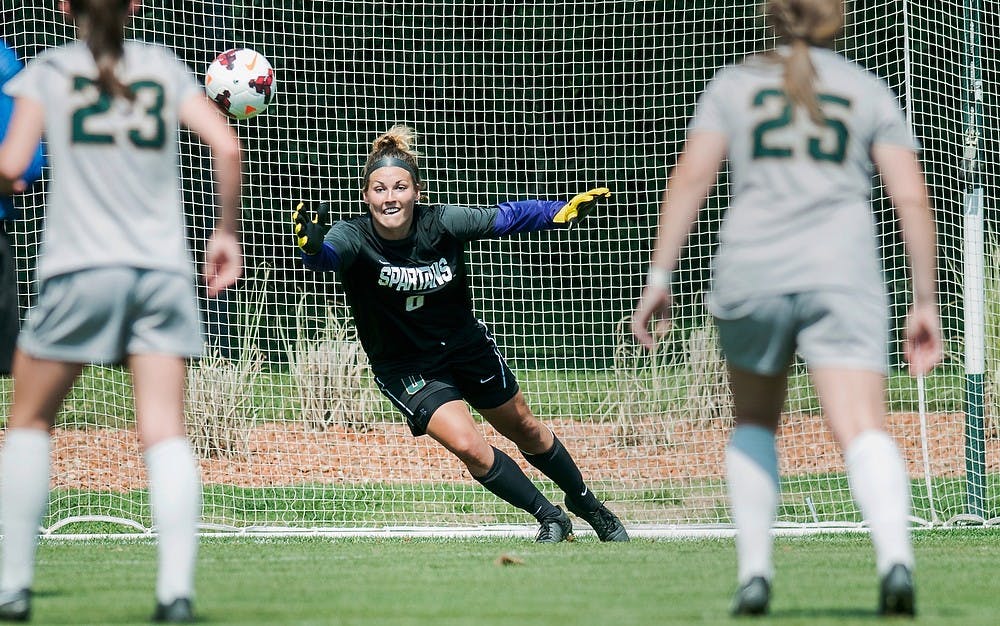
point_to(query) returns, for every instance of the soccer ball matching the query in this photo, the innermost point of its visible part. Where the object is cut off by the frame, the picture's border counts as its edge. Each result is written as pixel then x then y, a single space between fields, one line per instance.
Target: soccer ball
pixel 241 83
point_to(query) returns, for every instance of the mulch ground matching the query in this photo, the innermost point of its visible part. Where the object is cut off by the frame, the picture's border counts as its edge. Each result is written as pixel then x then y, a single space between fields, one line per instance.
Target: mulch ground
pixel 660 450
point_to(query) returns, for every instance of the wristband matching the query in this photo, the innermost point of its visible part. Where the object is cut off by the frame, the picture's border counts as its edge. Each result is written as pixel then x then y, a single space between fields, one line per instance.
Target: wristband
pixel 658 277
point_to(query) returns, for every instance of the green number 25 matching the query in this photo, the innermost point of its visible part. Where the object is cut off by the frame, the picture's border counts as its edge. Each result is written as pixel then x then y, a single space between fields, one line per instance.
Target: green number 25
pixel 820 150
pixel 151 134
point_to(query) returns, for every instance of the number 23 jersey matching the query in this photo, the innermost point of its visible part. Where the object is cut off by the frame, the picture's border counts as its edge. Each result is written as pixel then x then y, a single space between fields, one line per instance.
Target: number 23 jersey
pixel 114 196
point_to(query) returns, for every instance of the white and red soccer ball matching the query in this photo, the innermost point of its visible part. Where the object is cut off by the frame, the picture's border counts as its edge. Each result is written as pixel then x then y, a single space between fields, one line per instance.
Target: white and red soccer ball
pixel 241 83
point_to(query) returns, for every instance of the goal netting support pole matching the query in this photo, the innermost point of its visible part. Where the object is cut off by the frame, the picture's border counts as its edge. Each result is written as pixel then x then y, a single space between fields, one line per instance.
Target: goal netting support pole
pixel 974 254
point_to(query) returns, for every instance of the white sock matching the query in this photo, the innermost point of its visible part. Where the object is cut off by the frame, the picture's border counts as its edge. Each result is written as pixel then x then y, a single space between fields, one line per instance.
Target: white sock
pixel 878 480
pixel 751 476
pixel 175 497
pixel 24 496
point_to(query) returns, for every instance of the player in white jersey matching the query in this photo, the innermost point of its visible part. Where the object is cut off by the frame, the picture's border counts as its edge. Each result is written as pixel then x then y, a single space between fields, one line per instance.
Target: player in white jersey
pixel 116 279
pixel 798 270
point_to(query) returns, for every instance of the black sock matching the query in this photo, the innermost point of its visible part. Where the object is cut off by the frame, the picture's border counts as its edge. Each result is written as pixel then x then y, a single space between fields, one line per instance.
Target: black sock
pixel 558 465
pixel 506 480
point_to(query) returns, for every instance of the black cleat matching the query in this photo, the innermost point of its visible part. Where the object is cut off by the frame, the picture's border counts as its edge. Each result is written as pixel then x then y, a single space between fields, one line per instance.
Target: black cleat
pixel 896 592
pixel 555 529
pixel 605 523
pixel 177 612
pixel 752 598
pixel 15 606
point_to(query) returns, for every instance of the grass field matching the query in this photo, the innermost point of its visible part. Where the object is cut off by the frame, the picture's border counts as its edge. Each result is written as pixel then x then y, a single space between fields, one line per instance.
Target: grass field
pixel 552 393
pixel 821 580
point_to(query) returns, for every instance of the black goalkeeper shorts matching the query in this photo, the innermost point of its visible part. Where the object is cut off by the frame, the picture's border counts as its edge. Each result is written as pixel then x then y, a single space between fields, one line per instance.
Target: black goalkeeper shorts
pixel 479 375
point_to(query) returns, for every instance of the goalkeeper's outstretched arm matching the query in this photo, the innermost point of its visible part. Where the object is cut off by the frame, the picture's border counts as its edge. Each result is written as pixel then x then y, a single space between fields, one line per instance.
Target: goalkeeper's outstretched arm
pixel 531 215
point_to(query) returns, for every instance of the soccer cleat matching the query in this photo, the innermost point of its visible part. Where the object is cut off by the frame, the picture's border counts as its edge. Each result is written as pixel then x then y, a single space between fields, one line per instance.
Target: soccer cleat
pixel 177 612
pixel 605 523
pixel 555 529
pixel 896 593
pixel 752 598
pixel 15 606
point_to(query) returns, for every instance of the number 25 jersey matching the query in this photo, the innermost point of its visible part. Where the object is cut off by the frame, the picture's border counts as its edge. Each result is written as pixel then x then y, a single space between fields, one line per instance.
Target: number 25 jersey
pixel 800 217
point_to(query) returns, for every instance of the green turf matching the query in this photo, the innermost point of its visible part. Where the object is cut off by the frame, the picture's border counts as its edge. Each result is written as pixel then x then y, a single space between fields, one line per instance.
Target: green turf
pixel 804 499
pixel 821 580
pixel 569 394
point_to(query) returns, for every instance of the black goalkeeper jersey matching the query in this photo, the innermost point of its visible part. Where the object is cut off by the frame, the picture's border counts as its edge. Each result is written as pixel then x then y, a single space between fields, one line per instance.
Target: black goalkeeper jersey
pixel 410 298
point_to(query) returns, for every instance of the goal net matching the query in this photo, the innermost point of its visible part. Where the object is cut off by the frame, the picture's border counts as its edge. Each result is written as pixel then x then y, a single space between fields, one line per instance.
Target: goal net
pixel 513 101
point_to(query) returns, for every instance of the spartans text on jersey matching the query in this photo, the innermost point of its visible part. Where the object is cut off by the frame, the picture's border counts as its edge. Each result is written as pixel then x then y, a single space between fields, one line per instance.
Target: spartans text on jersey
pixel 427 278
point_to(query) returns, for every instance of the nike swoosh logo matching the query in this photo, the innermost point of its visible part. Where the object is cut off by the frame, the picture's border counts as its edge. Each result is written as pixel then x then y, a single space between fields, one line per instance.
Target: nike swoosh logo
pixel 252 64
pixel 585 490
pixel 488 379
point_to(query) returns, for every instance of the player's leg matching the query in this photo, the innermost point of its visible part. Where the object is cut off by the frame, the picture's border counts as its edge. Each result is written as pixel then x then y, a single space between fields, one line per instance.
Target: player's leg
pixel 853 401
pixel 844 344
pixel 164 330
pixel 40 386
pixel 434 406
pixel 9 301
pixel 487 383
pixel 73 322
pixel 752 482
pixel 757 337
pixel 539 445
pixel 452 426
pixel 174 480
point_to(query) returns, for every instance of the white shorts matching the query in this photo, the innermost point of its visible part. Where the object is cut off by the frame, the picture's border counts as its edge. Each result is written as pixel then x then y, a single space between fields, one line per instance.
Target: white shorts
pixel 103 314
pixel 827 328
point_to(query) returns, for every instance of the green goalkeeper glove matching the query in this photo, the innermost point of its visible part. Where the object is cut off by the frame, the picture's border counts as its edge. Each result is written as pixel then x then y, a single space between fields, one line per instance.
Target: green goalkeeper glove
pixel 310 229
pixel 581 206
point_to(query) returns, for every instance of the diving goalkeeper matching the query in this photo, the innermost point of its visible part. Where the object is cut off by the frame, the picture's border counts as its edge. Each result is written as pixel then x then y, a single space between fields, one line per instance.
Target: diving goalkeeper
pixel 402 267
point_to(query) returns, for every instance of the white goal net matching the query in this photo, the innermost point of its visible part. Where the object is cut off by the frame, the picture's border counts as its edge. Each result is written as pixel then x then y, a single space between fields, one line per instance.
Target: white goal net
pixel 514 100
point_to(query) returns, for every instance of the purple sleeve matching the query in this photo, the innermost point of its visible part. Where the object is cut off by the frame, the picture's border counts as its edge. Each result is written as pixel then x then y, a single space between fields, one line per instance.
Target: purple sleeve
pixel 525 216
pixel 326 260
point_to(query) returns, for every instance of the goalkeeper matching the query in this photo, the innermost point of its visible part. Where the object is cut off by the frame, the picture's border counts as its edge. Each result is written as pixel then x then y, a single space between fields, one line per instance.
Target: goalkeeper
pixel 402 267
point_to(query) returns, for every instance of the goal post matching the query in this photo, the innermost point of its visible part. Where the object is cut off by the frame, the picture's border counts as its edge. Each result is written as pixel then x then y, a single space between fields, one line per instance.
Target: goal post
pixel 974 257
pixel 512 101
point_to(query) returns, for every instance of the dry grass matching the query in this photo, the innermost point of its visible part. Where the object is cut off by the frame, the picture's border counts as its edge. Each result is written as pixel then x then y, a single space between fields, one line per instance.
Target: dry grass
pixel 335 388
pixel 709 401
pixel 220 413
pixel 991 313
pixel 654 391
pixel 634 404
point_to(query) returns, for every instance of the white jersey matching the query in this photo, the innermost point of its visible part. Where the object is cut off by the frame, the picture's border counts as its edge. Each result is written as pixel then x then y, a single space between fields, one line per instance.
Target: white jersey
pixel 800 217
pixel 114 197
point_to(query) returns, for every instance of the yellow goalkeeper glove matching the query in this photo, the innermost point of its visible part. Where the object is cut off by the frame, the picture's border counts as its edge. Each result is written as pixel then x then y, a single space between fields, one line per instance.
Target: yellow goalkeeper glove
pixel 310 229
pixel 580 206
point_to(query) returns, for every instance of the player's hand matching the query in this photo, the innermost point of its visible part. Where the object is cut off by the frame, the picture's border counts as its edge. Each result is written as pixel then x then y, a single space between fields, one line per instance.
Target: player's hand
pixel 580 206
pixel 8 187
pixel 310 229
pixel 653 309
pixel 223 262
pixel 923 346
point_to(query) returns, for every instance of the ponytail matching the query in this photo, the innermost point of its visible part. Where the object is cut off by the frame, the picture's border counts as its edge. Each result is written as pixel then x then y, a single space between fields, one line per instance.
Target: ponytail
pixel 800 24
pixel 800 79
pixel 102 27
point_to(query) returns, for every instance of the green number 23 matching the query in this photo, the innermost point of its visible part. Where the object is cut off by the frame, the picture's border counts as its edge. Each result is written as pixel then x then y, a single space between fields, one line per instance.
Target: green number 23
pixel 834 151
pixel 151 135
